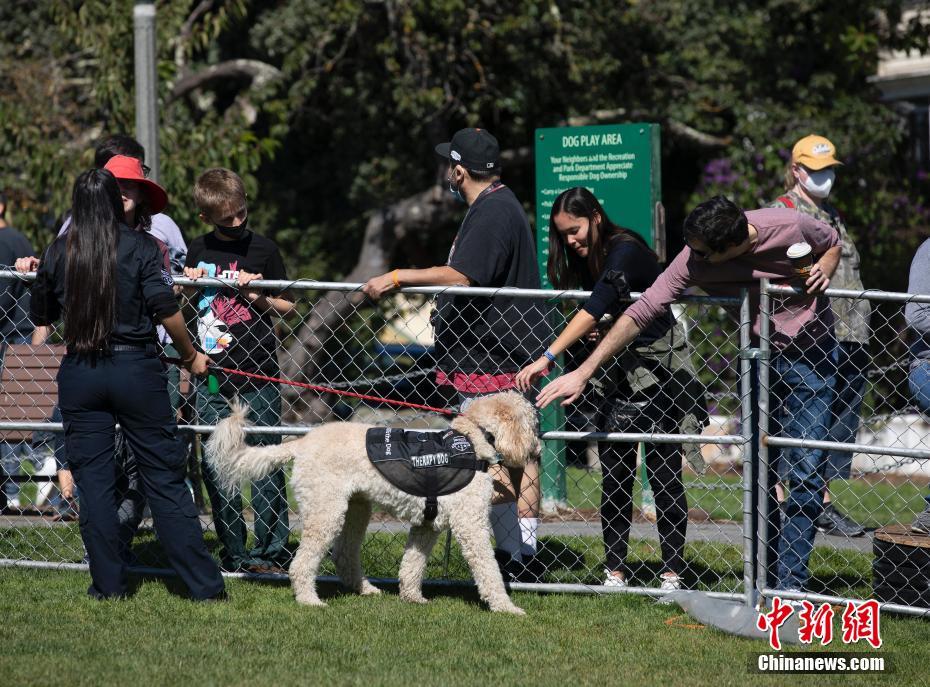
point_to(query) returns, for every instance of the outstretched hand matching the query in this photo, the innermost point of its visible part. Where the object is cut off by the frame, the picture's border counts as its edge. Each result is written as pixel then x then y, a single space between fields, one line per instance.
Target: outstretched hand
pixel 529 374
pixel 570 386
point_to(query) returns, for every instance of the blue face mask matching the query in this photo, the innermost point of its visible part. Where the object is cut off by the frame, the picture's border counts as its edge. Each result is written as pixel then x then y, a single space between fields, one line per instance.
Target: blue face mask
pixel 455 190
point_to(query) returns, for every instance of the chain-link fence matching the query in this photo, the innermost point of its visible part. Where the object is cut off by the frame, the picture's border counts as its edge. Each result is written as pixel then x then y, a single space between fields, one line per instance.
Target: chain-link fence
pixel 665 498
pixel 843 467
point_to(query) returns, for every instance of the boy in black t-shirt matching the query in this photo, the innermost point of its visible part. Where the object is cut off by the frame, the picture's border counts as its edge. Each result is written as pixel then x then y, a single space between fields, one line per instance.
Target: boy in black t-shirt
pixel 235 327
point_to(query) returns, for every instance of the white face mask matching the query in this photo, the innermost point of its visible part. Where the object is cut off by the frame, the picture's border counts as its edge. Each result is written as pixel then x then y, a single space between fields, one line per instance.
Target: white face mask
pixel 819 183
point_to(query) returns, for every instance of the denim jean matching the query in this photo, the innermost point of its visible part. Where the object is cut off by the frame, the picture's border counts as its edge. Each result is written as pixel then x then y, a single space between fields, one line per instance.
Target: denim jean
pixel 853 360
pixel 13 453
pixel 269 495
pixel 802 396
pixel 919 383
pixel 12 456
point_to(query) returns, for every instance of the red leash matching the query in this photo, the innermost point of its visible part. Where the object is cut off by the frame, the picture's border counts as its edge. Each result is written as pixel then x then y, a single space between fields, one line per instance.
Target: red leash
pixel 327 390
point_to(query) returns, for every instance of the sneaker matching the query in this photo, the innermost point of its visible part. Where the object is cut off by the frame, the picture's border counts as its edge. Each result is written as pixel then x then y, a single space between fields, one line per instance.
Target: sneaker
pixel 921 523
pixel 670 582
pixel 13 504
pixel 614 580
pixel 265 568
pixel 832 522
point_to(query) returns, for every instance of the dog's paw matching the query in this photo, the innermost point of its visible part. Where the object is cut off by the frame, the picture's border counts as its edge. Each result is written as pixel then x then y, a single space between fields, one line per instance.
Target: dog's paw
pixel 508 608
pixel 368 589
pixel 414 598
pixel 307 600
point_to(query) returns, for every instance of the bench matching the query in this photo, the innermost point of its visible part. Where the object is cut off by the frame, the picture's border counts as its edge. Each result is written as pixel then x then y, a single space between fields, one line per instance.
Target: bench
pixel 29 393
pixel 28 390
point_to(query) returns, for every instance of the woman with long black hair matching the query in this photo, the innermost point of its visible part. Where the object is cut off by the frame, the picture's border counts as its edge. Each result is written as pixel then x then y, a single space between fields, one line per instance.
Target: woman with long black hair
pixel 587 250
pixel 108 282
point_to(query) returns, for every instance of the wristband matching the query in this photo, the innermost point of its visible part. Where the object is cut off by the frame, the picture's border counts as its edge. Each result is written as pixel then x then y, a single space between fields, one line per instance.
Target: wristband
pixel 395 279
pixel 549 355
pixel 190 358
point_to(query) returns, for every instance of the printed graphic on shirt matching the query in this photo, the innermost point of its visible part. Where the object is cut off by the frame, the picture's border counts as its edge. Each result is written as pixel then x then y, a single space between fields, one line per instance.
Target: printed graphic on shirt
pixel 217 312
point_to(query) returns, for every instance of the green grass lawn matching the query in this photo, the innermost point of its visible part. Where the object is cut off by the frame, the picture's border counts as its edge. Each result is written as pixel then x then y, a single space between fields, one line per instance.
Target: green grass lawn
pixel 873 504
pixel 574 560
pixel 712 566
pixel 54 634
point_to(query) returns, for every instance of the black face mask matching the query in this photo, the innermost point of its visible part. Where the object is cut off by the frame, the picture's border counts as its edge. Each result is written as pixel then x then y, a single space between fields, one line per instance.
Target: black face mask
pixel 233 232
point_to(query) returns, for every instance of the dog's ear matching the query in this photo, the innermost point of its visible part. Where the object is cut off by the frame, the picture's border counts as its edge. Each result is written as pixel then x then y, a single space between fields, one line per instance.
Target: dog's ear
pixel 483 449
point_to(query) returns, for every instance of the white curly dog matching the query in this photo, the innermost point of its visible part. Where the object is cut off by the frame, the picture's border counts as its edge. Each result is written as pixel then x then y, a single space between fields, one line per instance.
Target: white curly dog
pixel 336 485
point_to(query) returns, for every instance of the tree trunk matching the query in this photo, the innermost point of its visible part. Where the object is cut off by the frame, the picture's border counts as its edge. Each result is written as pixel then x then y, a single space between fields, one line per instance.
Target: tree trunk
pixel 419 213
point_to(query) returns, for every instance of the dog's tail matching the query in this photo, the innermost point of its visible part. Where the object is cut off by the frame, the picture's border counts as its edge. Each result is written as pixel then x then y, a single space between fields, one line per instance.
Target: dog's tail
pixel 234 461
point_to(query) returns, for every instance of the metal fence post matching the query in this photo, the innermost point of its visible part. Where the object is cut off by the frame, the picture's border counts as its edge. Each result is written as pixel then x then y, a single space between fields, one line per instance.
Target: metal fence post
pixel 552 461
pixel 143 21
pixel 745 390
pixel 765 312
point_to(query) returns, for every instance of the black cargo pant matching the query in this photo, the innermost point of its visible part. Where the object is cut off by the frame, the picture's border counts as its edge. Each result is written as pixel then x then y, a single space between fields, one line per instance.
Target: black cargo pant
pixel 130 387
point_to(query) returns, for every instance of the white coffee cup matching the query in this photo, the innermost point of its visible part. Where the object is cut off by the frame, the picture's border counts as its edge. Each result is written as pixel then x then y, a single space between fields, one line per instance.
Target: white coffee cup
pixel 802 258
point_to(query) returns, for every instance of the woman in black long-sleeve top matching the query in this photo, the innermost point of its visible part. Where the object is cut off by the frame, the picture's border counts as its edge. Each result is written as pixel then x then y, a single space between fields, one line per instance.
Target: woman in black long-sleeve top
pixel 109 284
pixel 587 250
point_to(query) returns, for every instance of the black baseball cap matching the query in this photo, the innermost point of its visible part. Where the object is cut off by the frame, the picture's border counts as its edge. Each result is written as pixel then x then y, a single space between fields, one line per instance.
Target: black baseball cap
pixel 474 149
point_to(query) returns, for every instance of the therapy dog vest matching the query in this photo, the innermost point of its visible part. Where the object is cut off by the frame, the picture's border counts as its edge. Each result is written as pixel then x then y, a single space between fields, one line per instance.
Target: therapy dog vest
pixel 423 463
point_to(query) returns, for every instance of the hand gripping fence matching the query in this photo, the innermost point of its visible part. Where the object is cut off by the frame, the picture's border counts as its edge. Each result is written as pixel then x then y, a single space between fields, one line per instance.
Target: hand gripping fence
pixel 606 499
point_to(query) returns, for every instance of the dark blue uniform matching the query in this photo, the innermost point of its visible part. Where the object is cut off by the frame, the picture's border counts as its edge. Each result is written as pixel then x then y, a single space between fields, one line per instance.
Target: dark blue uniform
pixel 127 384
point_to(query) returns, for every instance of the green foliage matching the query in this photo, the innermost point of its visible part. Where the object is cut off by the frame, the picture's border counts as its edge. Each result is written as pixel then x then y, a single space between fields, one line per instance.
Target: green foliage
pixel 69 82
pixel 769 84
pixel 364 90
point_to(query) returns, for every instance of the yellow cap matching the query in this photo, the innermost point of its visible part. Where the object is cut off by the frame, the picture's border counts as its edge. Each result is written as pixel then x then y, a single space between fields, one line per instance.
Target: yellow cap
pixel 814 152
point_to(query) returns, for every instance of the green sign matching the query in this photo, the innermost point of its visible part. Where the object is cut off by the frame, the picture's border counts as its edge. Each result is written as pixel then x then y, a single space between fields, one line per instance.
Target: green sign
pixel 618 163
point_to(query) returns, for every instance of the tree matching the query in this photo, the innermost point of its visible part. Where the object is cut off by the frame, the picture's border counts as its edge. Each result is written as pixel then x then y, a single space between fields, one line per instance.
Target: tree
pixel 330 110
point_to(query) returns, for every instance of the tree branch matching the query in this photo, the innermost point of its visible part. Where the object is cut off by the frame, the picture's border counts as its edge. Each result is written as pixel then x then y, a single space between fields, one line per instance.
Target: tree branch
pixel 260 73
pixel 699 138
pixel 184 35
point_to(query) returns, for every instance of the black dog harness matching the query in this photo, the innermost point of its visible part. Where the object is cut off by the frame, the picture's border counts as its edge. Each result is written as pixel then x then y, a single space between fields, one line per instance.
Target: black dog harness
pixel 424 463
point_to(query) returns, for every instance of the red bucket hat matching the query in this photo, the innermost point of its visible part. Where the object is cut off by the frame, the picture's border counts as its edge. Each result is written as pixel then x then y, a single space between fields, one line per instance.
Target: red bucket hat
pixel 130 169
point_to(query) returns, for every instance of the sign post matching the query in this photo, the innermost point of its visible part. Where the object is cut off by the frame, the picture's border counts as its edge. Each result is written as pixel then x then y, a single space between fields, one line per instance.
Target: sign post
pixel 620 164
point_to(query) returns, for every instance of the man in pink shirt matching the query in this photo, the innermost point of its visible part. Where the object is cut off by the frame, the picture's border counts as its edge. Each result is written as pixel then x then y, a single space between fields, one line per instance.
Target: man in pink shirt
pixel 728 250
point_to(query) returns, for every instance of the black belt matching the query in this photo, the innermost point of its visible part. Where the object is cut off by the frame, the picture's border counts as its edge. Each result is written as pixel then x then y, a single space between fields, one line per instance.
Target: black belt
pixel 126 348
pixel 148 348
